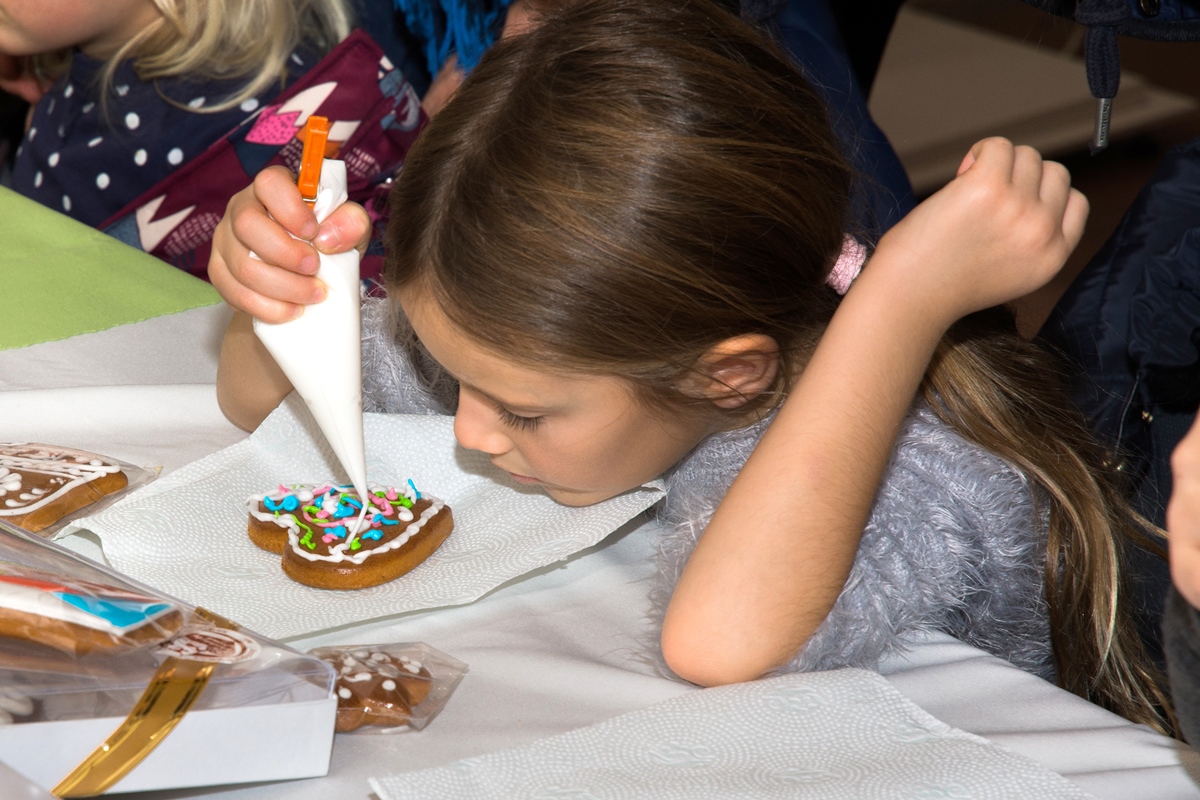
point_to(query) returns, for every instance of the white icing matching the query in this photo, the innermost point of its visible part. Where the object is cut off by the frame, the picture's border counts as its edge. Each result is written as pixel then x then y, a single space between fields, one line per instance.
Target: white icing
pixel 305 493
pixel 389 686
pixel 68 469
pixel 344 693
pixel 341 552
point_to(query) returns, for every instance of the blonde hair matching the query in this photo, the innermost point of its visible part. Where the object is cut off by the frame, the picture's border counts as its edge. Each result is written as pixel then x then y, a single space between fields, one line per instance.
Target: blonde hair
pixel 222 40
pixel 633 182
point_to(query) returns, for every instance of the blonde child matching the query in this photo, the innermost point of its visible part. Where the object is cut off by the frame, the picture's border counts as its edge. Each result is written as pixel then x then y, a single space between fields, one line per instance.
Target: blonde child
pixel 610 258
pixel 142 86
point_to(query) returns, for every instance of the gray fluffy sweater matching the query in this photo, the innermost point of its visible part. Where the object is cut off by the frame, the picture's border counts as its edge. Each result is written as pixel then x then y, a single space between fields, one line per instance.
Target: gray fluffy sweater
pixel 953 542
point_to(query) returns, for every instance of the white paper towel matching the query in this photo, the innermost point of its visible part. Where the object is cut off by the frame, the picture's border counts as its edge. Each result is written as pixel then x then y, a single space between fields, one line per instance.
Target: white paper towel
pixel 819 735
pixel 186 533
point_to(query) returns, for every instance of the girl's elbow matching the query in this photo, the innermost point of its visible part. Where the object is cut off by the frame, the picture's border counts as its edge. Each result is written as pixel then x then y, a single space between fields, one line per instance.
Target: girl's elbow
pixel 705 661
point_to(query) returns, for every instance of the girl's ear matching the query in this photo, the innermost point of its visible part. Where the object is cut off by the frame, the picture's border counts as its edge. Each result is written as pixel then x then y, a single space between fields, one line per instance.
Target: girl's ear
pixel 735 371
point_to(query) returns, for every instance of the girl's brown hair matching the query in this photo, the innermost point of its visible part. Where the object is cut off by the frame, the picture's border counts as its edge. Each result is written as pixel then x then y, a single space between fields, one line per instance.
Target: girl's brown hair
pixel 635 181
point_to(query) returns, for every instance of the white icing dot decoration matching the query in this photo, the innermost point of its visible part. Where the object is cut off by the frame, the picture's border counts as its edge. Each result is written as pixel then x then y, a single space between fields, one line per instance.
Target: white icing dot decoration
pixel 66 203
pixel 95 141
pixel 249 105
pixel 87 107
pixel 50 107
pixel 139 157
pixel 175 157
pixel 122 90
pixel 196 102
pixel 62 130
pixel 53 159
pixel 297 59
pixel 70 90
pixel 32 133
pixel 37 178
pixel 102 180
pixel 132 120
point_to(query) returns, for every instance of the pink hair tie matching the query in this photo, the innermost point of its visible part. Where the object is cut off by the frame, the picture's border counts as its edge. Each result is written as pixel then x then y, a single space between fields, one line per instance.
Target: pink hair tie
pixel 849 264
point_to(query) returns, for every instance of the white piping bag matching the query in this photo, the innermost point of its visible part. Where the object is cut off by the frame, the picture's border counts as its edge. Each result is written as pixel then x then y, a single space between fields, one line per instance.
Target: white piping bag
pixel 321 350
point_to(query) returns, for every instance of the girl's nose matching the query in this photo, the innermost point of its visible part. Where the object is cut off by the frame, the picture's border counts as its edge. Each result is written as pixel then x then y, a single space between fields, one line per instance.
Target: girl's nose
pixel 476 426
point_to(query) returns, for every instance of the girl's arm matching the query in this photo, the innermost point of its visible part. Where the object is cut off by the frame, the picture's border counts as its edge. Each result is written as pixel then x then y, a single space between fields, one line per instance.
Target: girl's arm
pixel 778 551
pixel 270 218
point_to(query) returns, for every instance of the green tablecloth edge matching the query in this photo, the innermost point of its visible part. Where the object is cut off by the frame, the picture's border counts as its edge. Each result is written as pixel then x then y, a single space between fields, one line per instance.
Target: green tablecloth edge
pixel 61 278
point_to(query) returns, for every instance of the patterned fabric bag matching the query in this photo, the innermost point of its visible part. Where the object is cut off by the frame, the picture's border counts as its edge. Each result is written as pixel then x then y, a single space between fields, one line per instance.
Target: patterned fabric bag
pixel 374 115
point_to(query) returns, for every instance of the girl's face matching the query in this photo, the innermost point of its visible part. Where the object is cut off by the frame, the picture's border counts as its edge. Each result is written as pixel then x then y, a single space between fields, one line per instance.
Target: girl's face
pixel 28 27
pixel 583 438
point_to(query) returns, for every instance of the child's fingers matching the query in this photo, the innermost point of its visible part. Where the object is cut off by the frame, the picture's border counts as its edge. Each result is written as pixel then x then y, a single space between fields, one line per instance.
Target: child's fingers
pixel 275 187
pixel 347 228
pixel 1075 217
pixel 245 299
pixel 253 228
pixel 1027 170
pixel 994 154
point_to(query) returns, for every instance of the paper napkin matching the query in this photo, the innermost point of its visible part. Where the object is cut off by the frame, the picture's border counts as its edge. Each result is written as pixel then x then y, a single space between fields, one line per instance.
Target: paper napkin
pixel 818 735
pixel 185 534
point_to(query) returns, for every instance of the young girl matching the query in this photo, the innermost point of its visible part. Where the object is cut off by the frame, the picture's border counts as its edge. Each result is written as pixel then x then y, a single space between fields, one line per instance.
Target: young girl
pixel 143 86
pixel 610 258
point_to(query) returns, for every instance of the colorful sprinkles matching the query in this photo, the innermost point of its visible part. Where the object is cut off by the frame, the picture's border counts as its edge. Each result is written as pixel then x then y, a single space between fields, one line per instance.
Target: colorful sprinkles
pixel 330 513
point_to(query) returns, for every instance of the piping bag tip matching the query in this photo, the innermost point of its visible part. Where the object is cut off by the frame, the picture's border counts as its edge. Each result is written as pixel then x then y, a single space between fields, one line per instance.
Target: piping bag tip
pixel 328 334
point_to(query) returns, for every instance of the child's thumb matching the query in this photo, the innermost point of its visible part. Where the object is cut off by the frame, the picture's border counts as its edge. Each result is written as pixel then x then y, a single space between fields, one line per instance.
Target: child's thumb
pixel 348 227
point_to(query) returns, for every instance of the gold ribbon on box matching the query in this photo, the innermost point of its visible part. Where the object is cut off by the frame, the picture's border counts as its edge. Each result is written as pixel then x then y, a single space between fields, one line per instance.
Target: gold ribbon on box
pixel 173 690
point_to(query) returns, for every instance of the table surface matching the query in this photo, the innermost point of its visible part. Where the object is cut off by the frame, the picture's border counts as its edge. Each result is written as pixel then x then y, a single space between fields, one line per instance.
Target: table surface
pixel 549 652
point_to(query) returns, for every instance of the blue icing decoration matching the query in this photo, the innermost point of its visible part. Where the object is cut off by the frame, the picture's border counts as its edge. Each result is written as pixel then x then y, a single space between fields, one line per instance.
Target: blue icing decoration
pixel 289 503
pixel 413 486
pixel 119 613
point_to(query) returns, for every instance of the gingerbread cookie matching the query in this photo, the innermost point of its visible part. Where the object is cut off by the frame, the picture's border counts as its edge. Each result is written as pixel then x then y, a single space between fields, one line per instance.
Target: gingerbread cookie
pixel 328 542
pixel 79 617
pixel 41 484
pixel 377 688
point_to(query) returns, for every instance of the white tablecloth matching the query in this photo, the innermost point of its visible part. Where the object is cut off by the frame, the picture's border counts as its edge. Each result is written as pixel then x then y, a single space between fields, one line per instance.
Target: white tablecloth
pixel 548 653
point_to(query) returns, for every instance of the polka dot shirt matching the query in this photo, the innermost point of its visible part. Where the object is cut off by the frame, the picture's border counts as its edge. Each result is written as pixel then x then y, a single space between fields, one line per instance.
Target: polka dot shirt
pixel 89 164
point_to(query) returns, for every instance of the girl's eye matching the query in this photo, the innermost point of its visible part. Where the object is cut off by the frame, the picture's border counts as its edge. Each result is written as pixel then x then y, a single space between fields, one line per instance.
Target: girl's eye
pixel 520 423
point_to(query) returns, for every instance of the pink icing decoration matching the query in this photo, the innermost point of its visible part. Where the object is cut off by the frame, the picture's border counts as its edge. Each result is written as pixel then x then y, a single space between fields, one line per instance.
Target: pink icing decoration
pixel 272 128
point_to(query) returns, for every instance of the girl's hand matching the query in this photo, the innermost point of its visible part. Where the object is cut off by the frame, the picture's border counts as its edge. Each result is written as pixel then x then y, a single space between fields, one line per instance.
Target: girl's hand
pixel 277 284
pixel 1183 517
pixel 1001 229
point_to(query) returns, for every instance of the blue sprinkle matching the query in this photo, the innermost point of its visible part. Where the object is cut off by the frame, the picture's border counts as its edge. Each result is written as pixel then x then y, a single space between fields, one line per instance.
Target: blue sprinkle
pixel 413 486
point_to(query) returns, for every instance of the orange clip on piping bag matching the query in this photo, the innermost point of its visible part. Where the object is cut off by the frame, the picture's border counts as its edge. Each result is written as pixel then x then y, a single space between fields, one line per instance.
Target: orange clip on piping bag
pixel 320 351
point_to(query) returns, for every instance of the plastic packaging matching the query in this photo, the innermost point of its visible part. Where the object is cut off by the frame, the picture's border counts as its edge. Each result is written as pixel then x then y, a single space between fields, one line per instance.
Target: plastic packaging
pixel 90 642
pixel 390 688
pixel 43 487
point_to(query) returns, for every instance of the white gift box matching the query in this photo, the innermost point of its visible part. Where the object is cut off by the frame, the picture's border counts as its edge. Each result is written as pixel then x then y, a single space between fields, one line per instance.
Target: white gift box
pixel 289 738
pixel 265 712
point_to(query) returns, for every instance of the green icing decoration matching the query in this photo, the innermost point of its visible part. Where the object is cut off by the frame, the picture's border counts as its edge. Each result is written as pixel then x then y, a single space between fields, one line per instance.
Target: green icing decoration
pixel 308 542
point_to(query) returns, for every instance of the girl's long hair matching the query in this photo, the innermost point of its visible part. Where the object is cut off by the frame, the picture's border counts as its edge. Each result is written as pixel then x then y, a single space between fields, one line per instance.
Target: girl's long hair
pixel 228 40
pixel 634 181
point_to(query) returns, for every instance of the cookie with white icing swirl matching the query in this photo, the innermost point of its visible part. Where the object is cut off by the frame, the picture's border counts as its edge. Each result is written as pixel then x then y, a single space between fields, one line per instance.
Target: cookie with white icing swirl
pixel 327 542
pixel 40 484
